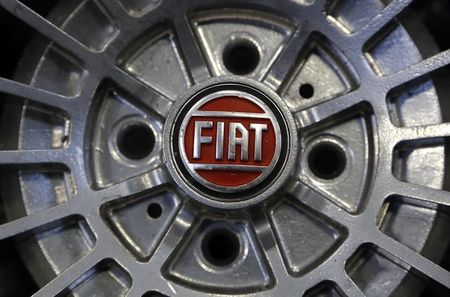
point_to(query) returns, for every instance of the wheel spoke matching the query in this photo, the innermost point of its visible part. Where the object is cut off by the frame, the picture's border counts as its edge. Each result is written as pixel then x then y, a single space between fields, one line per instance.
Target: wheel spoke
pixel 177 231
pixel 190 49
pixel 327 109
pixel 47 29
pixel 288 57
pixel 422 132
pixel 151 180
pixel 136 290
pixel 71 275
pixel 34 157
pixel 99 63
pixel 320 204
pixel 116 10
pixel 140 91
pixel 415 260
pixel 420 192
pixel 347 285
pixel 388 14
pixel 37 95
pixel 419 70
pixel 36 220
pixel 271 249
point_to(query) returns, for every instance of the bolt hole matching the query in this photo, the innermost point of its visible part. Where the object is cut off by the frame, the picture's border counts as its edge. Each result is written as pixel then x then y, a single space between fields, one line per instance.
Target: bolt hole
pixel 241 57
pixel 136 141
pixel 306 91
pixel 154 210
pixel 327 160
pixel 221 247
pixel 153 294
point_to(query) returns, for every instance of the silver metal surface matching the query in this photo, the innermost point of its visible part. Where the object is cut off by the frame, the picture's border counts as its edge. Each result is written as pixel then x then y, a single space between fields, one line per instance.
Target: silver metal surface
pixel 90 221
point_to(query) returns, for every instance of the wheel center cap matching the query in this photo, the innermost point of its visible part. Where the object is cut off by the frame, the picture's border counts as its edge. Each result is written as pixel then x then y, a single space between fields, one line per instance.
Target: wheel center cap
pixel 229 142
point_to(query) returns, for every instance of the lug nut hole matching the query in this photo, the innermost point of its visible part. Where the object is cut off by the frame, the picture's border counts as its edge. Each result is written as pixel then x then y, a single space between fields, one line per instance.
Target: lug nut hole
pixel 153 294
pixel 221 247
pixel 154 210
pixel 241 57
pixel 327 160
pixel 136 142
pixel 306 91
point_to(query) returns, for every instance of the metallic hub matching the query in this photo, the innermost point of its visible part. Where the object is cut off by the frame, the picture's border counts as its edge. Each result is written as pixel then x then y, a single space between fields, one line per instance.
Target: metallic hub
pixel 231 140
pixel 117 141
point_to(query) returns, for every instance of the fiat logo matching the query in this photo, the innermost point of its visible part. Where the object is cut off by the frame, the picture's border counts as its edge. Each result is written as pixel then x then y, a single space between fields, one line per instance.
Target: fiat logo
pixel 229 141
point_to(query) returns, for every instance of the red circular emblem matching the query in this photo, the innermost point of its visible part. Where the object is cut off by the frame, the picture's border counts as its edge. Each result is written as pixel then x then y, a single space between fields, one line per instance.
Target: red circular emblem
pixel 230 141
